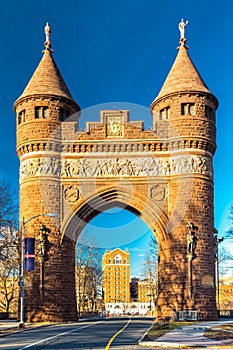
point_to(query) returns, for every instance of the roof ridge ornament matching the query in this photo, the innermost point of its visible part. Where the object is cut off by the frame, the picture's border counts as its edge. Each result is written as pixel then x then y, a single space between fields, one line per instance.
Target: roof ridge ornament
pixel 47 30
pixel 182 27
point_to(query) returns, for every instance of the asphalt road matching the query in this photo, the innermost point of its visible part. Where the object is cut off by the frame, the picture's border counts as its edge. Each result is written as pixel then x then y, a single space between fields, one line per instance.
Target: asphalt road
pixel 109 334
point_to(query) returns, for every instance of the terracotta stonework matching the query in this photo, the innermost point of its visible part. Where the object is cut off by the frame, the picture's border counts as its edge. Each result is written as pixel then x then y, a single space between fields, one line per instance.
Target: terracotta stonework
pixel 164 175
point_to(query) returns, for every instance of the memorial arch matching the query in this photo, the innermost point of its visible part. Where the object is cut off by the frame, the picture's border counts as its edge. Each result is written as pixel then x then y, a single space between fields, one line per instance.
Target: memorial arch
pixel 110 197
pixel 163 175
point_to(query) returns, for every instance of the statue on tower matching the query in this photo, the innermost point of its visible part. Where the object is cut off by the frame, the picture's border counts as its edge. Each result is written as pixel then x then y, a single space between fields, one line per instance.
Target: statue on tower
pixel 182 26
pixel 47 30
pixel 191 240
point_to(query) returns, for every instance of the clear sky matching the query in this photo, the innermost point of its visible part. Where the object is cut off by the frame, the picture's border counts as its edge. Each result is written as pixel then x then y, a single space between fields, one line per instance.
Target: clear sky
pixel 111 51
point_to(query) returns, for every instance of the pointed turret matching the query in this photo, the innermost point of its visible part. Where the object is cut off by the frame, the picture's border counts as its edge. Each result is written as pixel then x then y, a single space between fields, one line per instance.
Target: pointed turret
pixel 47 79
pixel 184 100
pixel 45 102
pixel 183 76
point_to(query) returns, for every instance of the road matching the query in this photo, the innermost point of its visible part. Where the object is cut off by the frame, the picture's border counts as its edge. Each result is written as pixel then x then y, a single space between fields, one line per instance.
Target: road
pixel 107 334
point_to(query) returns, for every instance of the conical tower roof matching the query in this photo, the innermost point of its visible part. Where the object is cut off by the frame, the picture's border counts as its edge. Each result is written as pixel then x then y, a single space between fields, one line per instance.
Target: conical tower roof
pixel 183 76
pixel 47 79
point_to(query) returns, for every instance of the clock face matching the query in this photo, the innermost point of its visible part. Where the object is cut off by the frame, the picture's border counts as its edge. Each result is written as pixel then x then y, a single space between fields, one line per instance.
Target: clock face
pixel 158 192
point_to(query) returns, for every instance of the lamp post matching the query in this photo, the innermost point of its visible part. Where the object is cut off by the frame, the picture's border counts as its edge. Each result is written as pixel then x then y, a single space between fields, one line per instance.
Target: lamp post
pixel 21 282
pixel 217 242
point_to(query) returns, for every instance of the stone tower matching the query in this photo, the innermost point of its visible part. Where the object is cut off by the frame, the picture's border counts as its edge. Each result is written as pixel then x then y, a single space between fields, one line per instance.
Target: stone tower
pixel 163 175
pixel 184 114
pixel 43 105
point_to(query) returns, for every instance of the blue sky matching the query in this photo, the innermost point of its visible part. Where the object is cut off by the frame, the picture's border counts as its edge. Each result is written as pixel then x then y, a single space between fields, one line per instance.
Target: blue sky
pixel 111 51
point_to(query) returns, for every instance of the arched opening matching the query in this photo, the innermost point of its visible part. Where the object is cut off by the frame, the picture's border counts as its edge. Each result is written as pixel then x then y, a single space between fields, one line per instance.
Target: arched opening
pixel 116 254
pixel 108 198
pixel 142 210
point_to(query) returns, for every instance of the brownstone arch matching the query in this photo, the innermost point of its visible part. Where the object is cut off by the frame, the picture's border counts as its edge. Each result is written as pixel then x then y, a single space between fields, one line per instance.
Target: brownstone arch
pixel 110 197
pixel 164 175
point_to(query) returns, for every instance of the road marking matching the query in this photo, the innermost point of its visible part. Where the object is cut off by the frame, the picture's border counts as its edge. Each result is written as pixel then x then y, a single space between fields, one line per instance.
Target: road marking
pixel 56 336
pixel 115 335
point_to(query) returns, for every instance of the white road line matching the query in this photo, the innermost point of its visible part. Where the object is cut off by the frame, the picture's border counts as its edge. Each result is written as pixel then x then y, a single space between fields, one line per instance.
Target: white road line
pixel 56 336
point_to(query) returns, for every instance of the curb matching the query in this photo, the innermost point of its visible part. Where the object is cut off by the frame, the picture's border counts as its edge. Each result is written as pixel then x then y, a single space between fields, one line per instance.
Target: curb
pixel 161 345
pixel 9 331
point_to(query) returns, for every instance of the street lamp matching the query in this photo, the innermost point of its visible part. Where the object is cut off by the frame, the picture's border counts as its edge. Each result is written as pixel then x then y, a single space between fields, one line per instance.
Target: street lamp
pixel 21 283
pixel 217 242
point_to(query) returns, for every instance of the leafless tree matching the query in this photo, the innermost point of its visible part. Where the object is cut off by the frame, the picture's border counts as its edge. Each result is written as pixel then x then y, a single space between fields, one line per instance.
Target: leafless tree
pixel 150 268
pixel 9 249
pixel 225 257
pixel 224 260
pixel 88 278
pixel 229 233
pixel 8 208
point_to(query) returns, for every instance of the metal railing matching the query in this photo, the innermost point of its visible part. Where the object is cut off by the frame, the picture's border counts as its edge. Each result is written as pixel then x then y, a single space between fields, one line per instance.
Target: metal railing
pixel 186 315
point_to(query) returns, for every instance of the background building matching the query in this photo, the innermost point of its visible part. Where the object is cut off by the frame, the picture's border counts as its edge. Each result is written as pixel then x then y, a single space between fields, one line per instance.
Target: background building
pixel 116 278
pixel 226 296
pixel 147 293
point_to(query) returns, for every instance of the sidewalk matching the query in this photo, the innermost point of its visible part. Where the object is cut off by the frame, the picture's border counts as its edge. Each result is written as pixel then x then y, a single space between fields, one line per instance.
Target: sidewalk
pixel 8 324
pixel 191 336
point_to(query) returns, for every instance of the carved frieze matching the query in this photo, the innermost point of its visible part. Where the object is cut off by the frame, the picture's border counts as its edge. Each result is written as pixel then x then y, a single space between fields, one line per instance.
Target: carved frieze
pixel 116 167
pixel 40 166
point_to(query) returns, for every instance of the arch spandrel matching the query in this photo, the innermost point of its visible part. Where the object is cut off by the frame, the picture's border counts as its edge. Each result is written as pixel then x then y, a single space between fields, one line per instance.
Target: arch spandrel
pixel 108 197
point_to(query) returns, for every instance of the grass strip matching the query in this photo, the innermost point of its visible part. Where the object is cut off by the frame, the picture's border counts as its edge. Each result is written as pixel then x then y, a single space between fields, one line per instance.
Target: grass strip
pixel 157 330
pixel 220 332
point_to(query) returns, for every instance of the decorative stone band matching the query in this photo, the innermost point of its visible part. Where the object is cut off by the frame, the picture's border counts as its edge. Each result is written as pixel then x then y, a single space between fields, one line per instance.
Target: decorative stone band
pixel 126 167
pixel 92 148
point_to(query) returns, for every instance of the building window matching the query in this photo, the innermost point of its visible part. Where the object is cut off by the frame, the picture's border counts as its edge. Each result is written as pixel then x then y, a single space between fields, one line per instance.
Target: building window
pixel 164 113
pixel 41 112
pixel 208 112
pixel 187 109
pixel 117 259
pixel 109 261
pixel 21 116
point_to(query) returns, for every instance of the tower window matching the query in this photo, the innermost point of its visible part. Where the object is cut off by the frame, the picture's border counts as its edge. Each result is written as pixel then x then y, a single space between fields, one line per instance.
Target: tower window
pixel 21 116
pixel 63 114
pixel 187 108
pixel 41 112
pixel 164 113
pixel 208 112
